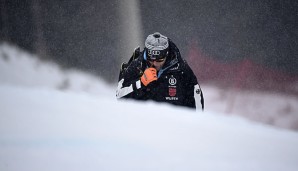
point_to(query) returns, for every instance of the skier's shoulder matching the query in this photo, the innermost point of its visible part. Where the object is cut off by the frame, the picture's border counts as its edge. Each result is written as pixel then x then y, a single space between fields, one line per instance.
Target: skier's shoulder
pixel 184 65
pixel 180 64
pixel 136 60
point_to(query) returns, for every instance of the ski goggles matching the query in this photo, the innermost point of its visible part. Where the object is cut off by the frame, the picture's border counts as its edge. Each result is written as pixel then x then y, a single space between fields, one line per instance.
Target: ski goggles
pixel 155 55
pixel 157 60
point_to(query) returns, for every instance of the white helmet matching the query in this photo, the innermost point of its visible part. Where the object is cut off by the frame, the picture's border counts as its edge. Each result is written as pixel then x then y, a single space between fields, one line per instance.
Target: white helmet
pixel 156 46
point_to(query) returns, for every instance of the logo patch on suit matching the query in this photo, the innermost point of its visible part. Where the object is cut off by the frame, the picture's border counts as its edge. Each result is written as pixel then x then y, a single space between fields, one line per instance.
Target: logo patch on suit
pixel 172 91
pixel 172 81
pixel 198 91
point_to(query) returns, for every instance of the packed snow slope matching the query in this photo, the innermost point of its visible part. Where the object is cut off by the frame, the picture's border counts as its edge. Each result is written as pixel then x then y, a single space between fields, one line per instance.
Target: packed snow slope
pixel 67 120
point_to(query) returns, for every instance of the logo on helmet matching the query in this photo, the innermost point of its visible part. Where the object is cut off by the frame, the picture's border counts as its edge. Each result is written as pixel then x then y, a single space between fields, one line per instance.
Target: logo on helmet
pixel 154 52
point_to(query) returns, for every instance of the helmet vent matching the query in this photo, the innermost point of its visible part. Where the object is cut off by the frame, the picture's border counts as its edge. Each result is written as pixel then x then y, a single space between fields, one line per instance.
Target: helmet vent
pixel 156 35
pixel 156 41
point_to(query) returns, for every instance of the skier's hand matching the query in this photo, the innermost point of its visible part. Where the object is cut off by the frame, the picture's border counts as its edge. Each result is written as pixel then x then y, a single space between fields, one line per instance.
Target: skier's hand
pixel 149 76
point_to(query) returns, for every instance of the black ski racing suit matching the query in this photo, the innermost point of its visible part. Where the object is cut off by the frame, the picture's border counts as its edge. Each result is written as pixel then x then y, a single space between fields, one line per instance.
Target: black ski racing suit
pixel 176 83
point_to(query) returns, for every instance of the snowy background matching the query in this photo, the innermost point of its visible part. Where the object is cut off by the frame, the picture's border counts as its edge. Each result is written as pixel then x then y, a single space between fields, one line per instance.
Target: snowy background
pixel 55 119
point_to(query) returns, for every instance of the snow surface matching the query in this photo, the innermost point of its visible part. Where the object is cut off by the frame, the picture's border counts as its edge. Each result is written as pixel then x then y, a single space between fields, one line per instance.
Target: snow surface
pixel 54 119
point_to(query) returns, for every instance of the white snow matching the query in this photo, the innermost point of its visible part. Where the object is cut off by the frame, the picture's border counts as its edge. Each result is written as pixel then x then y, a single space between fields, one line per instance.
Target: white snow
pixel 54 119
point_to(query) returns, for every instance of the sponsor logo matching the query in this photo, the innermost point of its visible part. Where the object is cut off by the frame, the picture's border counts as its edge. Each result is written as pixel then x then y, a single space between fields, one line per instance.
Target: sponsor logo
pixel 172 81
pixel 171 98
pixel 172 89
pixel 172 92
pixel 198 91
pixel 154 52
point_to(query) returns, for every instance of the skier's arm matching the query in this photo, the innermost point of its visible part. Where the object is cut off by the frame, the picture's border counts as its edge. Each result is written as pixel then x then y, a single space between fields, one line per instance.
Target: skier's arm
pixel 148 77
pixel 198 95
pixel 129 84
pixel 123 91
pixel 194 93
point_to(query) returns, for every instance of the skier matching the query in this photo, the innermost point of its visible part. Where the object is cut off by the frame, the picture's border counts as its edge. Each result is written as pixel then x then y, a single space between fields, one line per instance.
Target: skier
pixel 160 74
